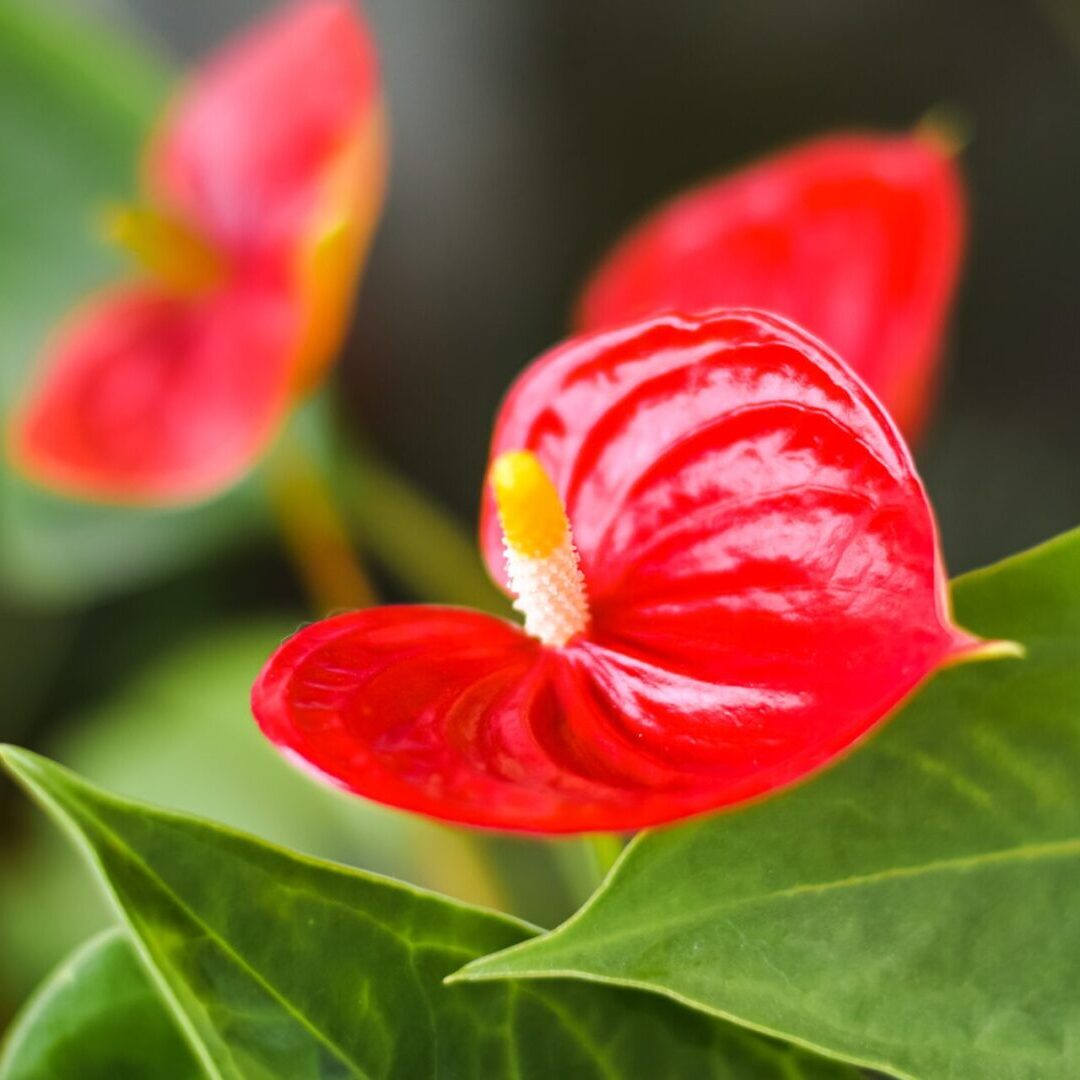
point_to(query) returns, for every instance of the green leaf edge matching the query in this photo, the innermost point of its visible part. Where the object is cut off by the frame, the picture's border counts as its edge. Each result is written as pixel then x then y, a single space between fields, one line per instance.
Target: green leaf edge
pixel 25 1019
pixel 26 767
pixel 487 968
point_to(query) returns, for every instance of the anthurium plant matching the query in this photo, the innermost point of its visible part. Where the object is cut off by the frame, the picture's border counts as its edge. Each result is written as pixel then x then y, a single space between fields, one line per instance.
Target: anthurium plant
pixel 721 777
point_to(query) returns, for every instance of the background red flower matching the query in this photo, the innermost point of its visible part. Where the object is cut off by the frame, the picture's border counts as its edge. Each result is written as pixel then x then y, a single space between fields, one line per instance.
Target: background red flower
pixel 856 237
pixel 262 188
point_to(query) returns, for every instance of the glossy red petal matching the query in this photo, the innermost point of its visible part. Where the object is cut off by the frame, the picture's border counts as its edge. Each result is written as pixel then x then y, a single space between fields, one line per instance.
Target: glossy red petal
pixel 765 584
pixel 760 556
pixel 460 716
pixel 150 398
pixel 858 238
pixel 602 410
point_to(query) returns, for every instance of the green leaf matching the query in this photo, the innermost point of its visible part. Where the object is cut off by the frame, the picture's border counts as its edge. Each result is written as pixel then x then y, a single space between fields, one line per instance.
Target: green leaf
pixel 75 101
pixel 914 908
pixel 282 966
pixel 97 1017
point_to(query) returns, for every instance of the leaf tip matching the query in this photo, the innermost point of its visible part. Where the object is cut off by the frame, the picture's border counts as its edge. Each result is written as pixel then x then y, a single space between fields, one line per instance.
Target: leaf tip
pixel 17 760
pixel 466 974
pixel 36 774
pixel 946 127
pixel 975 650
pixel 496 965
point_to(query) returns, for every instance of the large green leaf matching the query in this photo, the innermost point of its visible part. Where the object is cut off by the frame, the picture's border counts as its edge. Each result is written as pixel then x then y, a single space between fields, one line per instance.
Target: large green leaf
pixel 75 100
pixel 98 1017
pixel 914 908
pixel 282 966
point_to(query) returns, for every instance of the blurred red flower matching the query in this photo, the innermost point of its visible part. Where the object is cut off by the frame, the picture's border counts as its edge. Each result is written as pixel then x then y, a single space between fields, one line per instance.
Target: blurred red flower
pixel 262 187
pixel 756 583
pixel 858 238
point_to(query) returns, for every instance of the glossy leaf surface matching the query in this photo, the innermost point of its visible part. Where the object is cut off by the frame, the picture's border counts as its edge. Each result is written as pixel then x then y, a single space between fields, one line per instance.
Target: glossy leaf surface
pixel 856 237
pixel 262 190
pixel 97 1017
pixel 914 908
pixel 283 966
pixel 762 570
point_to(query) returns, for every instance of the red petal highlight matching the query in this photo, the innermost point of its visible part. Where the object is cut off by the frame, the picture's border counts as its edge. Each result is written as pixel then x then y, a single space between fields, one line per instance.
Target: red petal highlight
pixel 858 238
pixel 601 410
pixel 765 583
pixel 146 397
pixel 248 145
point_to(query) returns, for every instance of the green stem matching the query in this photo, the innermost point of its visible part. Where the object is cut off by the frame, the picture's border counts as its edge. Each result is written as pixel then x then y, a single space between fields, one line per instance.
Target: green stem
pixel 418 544
pixel 606 849
pixel 585 863
pixel 313 530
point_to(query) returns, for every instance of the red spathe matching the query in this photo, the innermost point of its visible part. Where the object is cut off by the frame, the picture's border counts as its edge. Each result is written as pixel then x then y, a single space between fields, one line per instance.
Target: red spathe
pixel 764 580
pixel 856 237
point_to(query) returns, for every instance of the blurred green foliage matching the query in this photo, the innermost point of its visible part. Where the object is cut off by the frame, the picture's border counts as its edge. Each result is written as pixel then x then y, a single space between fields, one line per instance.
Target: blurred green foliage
pixel 98 1017
pixel 76 101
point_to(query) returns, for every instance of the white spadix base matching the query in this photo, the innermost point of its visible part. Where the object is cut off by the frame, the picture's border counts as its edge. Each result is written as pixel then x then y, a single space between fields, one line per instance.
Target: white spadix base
pixel 550 593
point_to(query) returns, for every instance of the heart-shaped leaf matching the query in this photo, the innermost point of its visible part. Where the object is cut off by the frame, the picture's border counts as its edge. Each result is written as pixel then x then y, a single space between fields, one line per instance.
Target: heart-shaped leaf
pixel 283 966
pixel 914 909
pixel 97 1017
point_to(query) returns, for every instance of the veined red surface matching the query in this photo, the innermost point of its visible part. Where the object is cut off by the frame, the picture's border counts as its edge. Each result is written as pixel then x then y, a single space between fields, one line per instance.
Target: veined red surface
pixel 269 168
pixel 856 237
pixel 764 583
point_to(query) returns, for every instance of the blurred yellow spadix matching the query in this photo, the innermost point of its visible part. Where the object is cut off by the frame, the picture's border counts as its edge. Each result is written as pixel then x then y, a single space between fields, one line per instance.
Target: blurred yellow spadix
pixel 165 246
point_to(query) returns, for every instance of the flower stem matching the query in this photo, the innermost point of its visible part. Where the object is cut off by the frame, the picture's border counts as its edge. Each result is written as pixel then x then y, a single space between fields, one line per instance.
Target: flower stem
pixel 584 863
pixel 417 543
pixel 314 532
pixel 463 866
pixel 605 848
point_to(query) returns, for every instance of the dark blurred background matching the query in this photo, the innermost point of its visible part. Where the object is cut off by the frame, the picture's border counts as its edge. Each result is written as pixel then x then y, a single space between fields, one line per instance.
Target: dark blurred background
pixel 526 135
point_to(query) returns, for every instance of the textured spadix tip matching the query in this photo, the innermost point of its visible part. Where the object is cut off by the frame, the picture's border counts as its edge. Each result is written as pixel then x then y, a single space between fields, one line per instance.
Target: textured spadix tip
pixel 530 511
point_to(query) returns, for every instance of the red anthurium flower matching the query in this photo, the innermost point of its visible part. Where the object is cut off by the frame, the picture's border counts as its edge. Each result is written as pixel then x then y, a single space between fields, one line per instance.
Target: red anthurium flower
pixel 728 569
pixel 858 238
pixel 261 186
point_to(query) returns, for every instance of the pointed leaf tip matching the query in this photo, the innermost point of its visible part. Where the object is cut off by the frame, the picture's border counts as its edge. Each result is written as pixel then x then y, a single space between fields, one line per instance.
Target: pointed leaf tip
pixel 17 760
pixel 973 650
